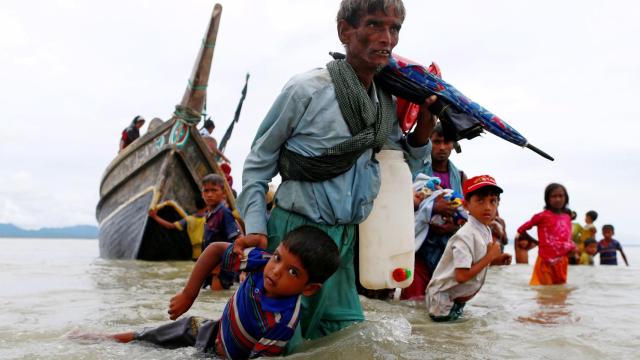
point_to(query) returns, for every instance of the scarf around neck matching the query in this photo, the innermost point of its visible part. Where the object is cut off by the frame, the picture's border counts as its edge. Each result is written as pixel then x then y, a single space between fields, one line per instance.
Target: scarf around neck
pixel 369 123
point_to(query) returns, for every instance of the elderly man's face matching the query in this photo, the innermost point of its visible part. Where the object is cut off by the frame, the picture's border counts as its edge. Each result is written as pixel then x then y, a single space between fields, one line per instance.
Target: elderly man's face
pixel 369 44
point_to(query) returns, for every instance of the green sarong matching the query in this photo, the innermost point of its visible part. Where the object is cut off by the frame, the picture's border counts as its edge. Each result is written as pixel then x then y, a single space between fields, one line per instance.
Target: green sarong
pixel 336 305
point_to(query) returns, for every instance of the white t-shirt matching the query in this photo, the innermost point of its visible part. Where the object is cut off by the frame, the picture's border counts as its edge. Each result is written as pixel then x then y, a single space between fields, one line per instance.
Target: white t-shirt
pixel 205 132
pixel 465 248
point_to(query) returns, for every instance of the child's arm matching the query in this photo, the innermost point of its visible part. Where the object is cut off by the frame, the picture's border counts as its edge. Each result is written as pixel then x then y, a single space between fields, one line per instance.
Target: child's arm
pixel 525 235
pixel 245 242
pixel 502 259
pixel 624 257
pixel 153 213
pixel 522 230
pixel 210 258
pixel 463 274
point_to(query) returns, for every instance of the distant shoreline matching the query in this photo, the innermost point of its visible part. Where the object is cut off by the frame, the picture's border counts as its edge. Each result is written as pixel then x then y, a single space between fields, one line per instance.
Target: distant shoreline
pixel 70 232
pixel 51 238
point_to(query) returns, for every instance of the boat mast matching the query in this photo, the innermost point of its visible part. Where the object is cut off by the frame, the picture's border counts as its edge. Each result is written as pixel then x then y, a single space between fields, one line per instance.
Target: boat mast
pixel 196 91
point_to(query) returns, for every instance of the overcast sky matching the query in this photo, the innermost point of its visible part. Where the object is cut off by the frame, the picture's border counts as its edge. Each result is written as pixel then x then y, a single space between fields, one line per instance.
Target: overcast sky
pixel 74 73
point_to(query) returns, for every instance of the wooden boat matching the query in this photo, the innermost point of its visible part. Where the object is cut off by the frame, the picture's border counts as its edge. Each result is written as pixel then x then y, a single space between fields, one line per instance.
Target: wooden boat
pixel 163 169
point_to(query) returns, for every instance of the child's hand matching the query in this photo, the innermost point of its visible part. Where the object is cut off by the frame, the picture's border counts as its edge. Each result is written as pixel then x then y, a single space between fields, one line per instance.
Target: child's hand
pixel 503 259
pixel 442 206
pixel 179 304
pixel 247 241
pixel 493 250
pixel 153 213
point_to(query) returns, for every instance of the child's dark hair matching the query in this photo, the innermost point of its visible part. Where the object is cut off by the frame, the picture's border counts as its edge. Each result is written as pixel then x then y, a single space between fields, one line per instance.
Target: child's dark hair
pixel 608 227
pixel 589 242
pixel 547 194
pixel 592 214
pixel 317 252
pixel 437 130
pixel 213 179
pixel 483 192
pixel 199 202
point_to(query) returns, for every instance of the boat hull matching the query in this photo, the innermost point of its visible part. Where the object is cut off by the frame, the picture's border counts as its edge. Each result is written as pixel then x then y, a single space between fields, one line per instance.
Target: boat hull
pixel 159 168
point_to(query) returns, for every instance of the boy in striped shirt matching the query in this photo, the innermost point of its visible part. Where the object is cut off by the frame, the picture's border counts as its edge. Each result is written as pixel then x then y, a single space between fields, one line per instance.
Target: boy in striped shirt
pixel 262 315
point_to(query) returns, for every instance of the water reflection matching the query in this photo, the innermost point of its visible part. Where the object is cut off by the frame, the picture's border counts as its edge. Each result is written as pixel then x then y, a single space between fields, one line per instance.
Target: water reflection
pixel 552 308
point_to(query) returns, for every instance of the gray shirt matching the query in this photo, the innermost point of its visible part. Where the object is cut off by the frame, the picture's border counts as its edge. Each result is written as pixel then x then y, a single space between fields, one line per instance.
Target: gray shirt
pixel 465 248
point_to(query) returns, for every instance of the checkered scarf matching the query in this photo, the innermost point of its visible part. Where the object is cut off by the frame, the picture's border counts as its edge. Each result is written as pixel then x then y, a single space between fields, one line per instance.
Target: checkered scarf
pixel 369 123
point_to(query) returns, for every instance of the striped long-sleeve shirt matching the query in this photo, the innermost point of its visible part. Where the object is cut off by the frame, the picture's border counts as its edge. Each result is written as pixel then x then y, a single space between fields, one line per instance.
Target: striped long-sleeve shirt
pixel 252 324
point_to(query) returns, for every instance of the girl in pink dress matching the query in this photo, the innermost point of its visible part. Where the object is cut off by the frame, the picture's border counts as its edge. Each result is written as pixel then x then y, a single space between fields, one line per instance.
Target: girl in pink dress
pixel 554 237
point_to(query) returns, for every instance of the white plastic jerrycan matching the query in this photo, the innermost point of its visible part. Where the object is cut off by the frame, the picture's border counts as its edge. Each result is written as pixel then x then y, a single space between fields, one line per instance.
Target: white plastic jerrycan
pixel 387 235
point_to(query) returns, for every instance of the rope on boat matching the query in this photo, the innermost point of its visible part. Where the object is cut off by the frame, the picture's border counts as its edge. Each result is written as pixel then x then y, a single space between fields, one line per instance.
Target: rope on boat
pixel 187 115
pixel 197 87
pixel 208 45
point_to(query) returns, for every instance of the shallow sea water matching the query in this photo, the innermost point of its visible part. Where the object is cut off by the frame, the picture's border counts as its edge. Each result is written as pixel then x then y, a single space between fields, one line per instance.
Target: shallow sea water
pixel 51 288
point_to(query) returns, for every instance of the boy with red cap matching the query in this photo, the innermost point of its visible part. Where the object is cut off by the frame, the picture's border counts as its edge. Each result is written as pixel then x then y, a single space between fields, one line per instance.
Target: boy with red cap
pixel 463 267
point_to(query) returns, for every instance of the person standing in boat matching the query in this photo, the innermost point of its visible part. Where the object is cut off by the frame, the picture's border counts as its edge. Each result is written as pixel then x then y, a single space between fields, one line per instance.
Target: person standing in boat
pixel 321 135
pixel 131 132
pixel 212 143
pixel 207 128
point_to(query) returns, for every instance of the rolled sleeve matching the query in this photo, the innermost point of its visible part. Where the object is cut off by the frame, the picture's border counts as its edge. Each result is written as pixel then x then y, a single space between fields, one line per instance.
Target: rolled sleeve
pixel 417 155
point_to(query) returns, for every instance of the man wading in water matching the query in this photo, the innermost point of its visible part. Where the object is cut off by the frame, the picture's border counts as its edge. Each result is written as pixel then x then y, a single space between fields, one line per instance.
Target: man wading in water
pixel 321 135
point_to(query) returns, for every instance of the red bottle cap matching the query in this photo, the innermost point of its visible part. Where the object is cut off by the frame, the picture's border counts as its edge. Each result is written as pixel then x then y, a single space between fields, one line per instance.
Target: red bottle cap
pixel 400 274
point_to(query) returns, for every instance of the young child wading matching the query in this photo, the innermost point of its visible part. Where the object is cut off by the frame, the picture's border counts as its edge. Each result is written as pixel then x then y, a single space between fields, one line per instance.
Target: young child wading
pixel 463 267
pixel 261 316
pixel 554 237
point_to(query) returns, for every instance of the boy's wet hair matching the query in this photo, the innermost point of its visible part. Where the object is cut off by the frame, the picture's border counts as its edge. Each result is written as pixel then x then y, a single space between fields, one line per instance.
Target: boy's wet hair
pixel 318 253
pixel 589 242
pixel 199 202
pixel 483 192
pixel 213 179
pixel 547 194
pixel 352 11
pixel 592 214
pixel 608 227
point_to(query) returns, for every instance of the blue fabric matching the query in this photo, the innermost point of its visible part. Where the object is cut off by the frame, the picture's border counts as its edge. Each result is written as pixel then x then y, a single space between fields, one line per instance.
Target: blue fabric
pixel 424 211
pixel 432 247
pixel 221 226
pixel 306 119
pixel 454 174
pixel 253 324
pixel 608 253
pixel 492 123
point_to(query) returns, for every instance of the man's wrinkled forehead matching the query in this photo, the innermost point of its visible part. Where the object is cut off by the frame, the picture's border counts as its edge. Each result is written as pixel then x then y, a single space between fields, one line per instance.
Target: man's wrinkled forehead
pixel 353 11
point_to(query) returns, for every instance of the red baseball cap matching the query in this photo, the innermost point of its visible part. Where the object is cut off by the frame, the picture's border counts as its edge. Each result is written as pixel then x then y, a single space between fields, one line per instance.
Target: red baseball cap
pixel 478 182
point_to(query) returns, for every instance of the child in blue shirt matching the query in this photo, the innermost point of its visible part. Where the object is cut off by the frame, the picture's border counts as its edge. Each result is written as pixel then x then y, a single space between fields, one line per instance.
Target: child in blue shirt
pixel 608 246
pixel 261 316
pixel 220 226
